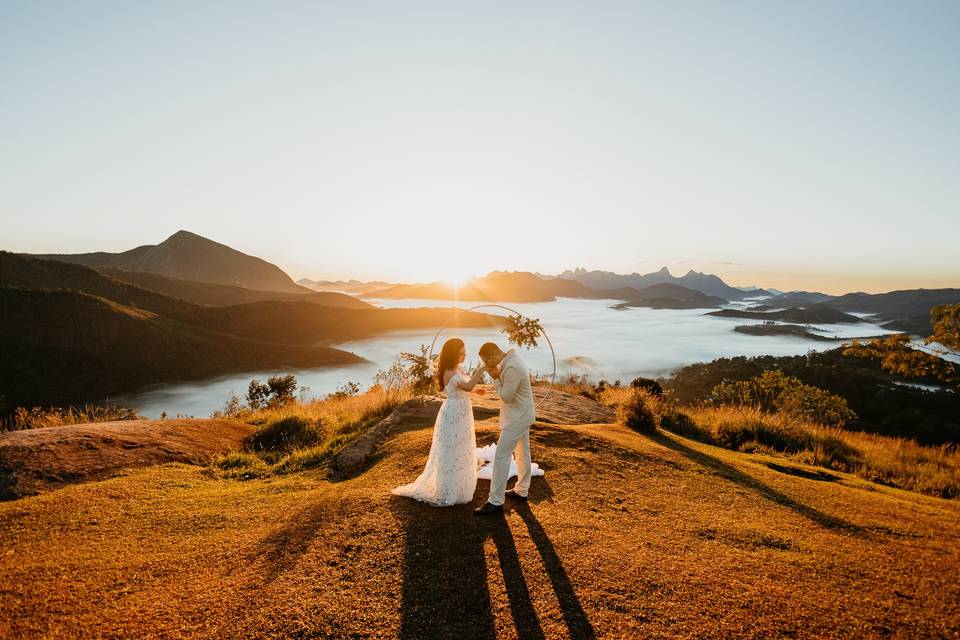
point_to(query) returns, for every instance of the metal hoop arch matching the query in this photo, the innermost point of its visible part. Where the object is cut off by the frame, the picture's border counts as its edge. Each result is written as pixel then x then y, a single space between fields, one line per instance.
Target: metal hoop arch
pixel 553 354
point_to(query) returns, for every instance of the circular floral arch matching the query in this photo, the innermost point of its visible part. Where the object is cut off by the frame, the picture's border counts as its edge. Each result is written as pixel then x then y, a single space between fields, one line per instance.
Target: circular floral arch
pixel 543 332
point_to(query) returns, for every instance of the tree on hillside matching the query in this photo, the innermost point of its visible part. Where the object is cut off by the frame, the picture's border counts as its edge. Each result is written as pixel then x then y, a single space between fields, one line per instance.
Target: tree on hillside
pixel 898 355
pixel 278 390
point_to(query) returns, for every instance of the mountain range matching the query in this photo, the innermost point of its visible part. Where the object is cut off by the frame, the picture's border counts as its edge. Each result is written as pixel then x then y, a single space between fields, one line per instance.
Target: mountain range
pixel 706 283
pixel 693 290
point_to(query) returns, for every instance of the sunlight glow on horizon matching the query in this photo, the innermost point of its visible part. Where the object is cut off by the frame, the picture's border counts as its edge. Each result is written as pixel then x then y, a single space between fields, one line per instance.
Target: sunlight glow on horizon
pixel 791 145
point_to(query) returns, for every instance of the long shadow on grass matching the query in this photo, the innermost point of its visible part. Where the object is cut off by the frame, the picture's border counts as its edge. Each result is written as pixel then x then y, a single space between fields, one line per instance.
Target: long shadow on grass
pixel 445 581
pixel 445 592
pixel 573 614
pixel 284 548
pixel 733 474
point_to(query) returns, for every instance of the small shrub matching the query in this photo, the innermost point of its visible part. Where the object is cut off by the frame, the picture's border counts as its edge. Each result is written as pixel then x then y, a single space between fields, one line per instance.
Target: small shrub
pixel 346 390
pixel 762 431
pixel 649 385
pixel 257 394
pixel 831 451
pixel 394 379
pixel 233 408
pixel 242 465
pixel 289 432
pixel 761 391
pixel 283 389
pixel 680 423
pixel 303 435
pixel 639 412
pixel 420 371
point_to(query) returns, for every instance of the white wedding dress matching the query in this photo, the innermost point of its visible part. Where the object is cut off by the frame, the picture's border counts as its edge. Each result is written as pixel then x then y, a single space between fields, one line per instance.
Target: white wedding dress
pixel 450 475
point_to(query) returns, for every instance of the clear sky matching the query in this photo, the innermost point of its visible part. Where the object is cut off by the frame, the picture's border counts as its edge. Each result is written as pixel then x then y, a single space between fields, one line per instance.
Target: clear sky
pixel 811 145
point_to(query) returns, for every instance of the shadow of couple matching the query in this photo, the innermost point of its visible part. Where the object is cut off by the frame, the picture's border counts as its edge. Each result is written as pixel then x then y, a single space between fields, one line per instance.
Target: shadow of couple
pixel 445 582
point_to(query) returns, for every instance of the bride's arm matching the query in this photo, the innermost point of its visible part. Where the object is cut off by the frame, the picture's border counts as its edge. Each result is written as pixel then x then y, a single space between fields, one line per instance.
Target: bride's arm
pixel 473 381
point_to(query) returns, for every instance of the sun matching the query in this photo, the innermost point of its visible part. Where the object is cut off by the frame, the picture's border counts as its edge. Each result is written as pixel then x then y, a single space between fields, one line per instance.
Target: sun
pixel 457 277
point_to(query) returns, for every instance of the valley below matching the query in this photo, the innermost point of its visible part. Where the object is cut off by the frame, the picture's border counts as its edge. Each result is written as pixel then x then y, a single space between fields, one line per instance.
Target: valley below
pixel 596 341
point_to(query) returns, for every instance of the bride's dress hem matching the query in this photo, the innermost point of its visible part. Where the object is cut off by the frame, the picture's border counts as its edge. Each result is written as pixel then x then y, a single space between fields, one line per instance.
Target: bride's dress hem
pixel 449 476
pixel 399 491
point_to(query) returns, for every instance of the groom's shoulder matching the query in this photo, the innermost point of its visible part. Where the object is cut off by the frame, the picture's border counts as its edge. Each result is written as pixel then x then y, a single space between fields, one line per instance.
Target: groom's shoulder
pixel 517 362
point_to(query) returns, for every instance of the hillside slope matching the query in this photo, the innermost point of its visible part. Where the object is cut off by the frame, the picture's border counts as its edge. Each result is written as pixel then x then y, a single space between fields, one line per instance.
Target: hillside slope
pixel 906 310
pixel 627 536
pixel 64 346
pixel 187 256
pixel 73 333
pixel 668 296
pixel 298 318
pixel 219 295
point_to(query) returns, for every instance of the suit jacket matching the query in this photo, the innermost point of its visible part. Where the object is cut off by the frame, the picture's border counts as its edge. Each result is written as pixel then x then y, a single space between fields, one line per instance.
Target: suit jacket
pixel 517 409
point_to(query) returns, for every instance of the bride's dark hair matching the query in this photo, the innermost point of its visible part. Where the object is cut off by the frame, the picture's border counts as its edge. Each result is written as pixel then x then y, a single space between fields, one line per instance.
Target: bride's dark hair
pixel 449 355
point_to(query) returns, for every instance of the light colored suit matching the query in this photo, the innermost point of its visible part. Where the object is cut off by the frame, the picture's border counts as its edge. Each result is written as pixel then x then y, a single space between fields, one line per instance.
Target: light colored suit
pixel 517 413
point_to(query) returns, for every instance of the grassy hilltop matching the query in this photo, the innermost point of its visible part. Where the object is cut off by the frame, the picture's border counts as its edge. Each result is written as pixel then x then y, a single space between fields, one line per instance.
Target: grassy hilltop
pixel 628 535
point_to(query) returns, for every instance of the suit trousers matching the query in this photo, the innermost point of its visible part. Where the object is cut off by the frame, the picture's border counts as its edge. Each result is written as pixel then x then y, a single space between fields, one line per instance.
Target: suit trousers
pixel 514 439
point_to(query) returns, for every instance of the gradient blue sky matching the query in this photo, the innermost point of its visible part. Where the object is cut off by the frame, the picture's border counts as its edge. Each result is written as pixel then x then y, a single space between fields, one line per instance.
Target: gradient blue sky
pixel 809 145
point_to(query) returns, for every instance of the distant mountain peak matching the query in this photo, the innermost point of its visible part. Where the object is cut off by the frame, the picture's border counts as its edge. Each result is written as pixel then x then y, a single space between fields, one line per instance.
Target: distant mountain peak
pixel 188 236
pixel 188 256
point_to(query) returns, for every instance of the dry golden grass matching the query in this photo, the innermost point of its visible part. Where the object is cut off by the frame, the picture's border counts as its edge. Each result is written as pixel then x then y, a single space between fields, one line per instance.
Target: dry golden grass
pixel 613 396
pixel 39 417
pixel 302 435
pixel 571 384
pixel 896 462
pixel 627 536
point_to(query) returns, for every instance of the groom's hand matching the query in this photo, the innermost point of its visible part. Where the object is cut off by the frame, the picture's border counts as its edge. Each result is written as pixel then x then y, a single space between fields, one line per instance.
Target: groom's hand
pixel 494 372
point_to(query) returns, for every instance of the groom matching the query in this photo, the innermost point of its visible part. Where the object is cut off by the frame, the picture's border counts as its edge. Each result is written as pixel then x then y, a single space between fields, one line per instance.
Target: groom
pixel 517 412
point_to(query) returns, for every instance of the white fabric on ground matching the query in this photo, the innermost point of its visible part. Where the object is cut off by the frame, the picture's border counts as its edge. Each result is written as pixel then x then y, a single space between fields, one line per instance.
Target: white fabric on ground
pixel 485 460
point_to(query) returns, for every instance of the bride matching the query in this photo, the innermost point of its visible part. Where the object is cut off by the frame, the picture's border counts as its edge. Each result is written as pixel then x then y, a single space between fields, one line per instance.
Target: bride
pixel 450 475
